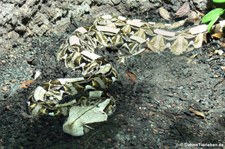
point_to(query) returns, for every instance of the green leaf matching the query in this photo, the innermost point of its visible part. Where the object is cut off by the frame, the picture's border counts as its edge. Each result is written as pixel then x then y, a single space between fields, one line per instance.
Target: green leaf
pixel 212 14
pixel 212 22
pixel 219 1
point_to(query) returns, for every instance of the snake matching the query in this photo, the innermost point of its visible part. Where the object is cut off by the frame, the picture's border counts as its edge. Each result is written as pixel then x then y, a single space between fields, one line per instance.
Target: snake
pixel 85 100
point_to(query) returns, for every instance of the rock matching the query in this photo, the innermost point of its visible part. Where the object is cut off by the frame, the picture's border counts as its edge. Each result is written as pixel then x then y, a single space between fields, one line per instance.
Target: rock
pixel 39 19
pixel 13 35
pixel 5 13
pixel 20 2
pixel 27 18
pixel 61 26
pixel 200 4
pixel 20 28
pixel 2 31
pixel 131 3
pixel 57 13
pixel 43 29
pixel 102 2
pixel 116 2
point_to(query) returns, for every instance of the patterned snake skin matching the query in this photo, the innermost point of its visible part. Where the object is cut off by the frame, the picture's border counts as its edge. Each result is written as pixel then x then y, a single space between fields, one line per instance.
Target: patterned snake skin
pixel 85 100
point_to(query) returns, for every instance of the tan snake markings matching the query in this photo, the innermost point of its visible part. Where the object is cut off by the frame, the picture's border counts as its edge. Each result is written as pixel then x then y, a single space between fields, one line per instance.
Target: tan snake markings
pixel 84 99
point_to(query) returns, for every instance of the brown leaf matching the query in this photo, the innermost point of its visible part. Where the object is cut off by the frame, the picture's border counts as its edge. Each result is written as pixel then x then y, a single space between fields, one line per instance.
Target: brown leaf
pixel 164 13
pixel 130 75
pixel 25 84
pixel 197 113
pixel 217 35
pixel 194 17
pixel 183 10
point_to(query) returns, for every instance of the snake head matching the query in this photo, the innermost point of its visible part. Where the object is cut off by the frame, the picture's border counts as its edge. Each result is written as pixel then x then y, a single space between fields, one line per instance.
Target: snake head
pixel 80 116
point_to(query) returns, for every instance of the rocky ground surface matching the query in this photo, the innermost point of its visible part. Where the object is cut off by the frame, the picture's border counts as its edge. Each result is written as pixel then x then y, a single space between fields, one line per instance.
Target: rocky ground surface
pixel 177 99
pixel 21 19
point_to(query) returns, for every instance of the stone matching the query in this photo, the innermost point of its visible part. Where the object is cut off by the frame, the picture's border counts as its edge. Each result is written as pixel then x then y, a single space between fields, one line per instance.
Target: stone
pixel 13 35
pixel 116 2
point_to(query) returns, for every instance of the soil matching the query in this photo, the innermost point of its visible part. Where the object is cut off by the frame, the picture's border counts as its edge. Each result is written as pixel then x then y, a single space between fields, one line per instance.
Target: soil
pixel 154 112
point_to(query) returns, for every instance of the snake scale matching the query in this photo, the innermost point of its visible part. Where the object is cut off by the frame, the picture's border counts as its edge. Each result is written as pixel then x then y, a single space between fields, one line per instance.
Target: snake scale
pixel 85 99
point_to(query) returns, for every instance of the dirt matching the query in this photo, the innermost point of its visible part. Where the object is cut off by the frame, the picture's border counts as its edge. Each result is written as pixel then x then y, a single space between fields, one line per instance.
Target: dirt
pixel 22 19
pixel 154 112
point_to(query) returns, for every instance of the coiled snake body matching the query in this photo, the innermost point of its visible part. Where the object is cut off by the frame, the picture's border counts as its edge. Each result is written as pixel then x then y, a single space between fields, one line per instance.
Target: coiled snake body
pixel 84 99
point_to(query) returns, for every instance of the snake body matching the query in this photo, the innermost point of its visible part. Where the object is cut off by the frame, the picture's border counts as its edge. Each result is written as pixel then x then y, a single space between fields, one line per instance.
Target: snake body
pixel 84 99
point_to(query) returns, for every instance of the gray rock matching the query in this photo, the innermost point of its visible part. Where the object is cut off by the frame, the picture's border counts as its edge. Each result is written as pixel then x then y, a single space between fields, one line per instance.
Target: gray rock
pixel 80 10
pixel 20 27
pixel 116 2
pixel 33 16
pixel 131 3
pixel 13 35
pixel 200 4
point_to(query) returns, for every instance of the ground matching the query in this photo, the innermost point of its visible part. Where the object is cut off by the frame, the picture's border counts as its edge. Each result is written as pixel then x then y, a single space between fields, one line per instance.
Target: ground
pixel 153 113
pixel 176 101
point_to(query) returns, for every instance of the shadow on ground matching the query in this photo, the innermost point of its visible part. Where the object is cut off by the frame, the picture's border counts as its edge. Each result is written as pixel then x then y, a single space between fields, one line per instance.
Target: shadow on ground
pixel 154 113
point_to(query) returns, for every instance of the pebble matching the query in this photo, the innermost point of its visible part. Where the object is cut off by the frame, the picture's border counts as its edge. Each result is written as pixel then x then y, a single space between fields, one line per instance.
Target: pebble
pixel 5 88
pixel 13 35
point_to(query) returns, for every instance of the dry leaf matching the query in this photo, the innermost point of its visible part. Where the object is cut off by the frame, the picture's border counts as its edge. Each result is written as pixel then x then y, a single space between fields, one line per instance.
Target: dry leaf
pixel 25 84
pixel 164 13
pixel 37 74
pixel 217 35
pixel 130 75
pixel 179 46
pixel 194 17
pixel 197 113
pixel 183 10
